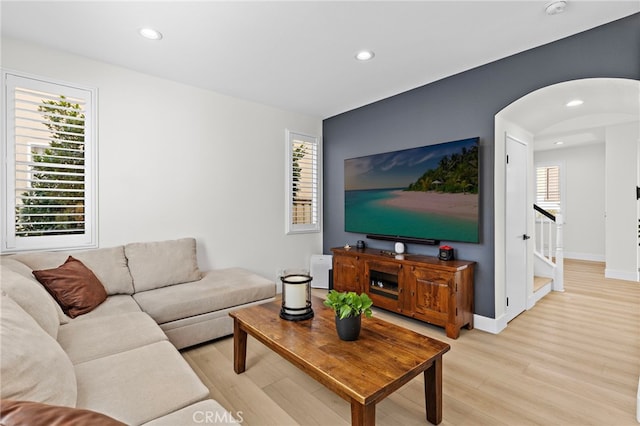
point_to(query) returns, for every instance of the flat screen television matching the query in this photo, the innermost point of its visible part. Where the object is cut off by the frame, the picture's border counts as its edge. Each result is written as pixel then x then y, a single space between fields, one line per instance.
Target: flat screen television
pixel 423 195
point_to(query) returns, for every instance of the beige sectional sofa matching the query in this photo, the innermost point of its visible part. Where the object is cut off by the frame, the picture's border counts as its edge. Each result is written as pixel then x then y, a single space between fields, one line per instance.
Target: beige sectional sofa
pixel 121 358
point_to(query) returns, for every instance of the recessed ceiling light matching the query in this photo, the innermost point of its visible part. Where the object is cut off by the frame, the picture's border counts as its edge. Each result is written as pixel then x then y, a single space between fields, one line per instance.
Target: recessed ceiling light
pixel 150 33
pixel 575 102
pixel 558 143
pixel 365 55
pixel 555 7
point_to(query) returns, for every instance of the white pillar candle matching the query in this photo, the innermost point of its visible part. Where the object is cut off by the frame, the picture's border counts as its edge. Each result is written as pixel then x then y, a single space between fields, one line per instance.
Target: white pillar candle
pixel 295 295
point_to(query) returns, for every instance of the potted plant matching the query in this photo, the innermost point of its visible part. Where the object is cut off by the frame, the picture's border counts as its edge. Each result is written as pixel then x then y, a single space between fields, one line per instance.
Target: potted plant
pixel 349 307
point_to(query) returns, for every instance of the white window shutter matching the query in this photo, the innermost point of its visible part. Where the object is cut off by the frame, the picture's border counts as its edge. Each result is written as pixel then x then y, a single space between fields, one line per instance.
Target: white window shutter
pixel 303 183
pixel 49 148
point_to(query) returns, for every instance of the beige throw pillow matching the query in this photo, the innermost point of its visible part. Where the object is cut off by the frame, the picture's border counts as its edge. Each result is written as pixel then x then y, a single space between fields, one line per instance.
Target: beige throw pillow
pixel 33 366
pixel 13 264
pixel 31 297
pixel 162 263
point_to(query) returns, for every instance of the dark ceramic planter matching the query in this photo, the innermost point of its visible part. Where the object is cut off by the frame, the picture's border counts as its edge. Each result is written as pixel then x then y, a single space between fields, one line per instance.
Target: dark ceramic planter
pixel 348 328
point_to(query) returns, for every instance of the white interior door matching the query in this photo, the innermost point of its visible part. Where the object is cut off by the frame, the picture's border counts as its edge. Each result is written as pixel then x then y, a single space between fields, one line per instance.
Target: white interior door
pixel 516 227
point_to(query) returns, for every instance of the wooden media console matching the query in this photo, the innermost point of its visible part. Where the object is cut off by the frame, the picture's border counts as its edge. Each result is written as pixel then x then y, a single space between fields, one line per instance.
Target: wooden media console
pixel 422 287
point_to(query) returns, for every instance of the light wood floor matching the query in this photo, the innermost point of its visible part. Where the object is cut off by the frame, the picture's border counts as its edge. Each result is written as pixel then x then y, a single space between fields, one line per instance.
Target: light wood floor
pixel 574 359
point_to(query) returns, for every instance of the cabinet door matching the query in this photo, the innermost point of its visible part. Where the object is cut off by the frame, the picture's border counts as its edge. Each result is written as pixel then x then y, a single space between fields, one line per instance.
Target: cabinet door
pixel 431 292
pixel 346 273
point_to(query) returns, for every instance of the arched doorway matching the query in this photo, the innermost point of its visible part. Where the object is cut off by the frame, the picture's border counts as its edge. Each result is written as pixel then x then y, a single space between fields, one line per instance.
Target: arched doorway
pixel 609 114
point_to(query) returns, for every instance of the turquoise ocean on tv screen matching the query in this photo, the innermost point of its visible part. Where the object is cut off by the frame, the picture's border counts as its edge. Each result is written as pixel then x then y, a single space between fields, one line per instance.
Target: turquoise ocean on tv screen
pixel 366 213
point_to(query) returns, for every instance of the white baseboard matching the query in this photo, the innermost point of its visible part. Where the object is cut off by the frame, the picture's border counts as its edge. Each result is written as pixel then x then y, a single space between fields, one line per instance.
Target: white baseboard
pixel 592 257
pixel 490 325
pixel 621 275
pixel 638 404
pixel 531 301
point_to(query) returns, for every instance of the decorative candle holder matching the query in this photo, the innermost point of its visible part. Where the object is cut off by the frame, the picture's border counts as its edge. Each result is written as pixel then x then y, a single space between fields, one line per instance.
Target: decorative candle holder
pixel 296 297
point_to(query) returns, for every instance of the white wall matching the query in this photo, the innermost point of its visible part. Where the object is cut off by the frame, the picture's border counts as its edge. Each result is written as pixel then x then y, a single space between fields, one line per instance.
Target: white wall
pixel 621 205
pixel 584 222
pixel 176 160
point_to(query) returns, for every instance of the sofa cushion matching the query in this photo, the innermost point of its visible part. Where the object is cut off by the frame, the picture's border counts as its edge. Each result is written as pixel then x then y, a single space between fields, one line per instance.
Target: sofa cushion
pixel 202 328
pixel 33 366
pixel 108 264
pixel 31 297
pixel 106 335
pixel 218 289
pixel 22 413
pixel 203 412
pixel 114 305
pixel 74 286
pixel 162 263
pixel 139 385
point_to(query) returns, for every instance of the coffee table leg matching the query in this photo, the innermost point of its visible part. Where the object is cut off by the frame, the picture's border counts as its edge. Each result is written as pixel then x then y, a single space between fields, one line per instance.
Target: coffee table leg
pixel 239 347
pixel 363 415
pixel 433 391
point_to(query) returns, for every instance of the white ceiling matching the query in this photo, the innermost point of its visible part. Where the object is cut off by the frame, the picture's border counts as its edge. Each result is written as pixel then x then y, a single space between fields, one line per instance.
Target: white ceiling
pixel 300 55
pixel 607 102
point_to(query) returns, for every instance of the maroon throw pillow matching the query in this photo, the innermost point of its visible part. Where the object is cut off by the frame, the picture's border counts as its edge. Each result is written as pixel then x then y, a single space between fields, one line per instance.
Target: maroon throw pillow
pixel 23 413
pixel 74 286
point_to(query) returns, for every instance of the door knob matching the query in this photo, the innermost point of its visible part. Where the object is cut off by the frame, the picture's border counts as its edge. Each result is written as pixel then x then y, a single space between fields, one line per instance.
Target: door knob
pixel 525 236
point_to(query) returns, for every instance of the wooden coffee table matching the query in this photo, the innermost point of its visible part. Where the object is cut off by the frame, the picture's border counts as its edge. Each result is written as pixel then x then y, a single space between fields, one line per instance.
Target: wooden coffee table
pixel 363 372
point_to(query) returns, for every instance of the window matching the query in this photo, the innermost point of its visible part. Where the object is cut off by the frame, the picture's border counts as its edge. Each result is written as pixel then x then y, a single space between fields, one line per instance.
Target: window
pixel 49 149
pixel 548 192
pixel 302 183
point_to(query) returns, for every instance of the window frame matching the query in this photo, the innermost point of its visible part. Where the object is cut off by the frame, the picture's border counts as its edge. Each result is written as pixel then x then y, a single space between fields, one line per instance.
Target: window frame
pixel 315 224
pixel 11 243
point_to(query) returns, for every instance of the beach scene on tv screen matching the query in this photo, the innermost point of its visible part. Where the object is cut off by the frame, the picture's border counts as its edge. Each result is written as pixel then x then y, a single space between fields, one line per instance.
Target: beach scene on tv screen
pixel 428 192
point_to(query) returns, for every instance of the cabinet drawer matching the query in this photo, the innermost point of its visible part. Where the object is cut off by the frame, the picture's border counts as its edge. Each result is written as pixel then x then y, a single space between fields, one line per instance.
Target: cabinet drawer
pixel 391 268
pixel 432 275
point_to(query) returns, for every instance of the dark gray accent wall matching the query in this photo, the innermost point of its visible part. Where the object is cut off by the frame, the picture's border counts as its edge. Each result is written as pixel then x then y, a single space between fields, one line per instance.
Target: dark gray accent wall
pixel 463 106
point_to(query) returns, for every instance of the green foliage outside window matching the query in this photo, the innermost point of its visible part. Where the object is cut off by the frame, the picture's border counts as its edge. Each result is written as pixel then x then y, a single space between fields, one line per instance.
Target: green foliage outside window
pixel 55 203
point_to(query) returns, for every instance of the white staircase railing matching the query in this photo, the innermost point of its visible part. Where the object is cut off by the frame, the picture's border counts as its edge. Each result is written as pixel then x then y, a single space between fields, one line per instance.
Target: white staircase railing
pixel 548 246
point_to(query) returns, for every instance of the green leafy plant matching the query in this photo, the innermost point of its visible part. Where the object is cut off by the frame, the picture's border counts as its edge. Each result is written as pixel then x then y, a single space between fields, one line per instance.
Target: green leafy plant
pixel 54 203
pixel 349 304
